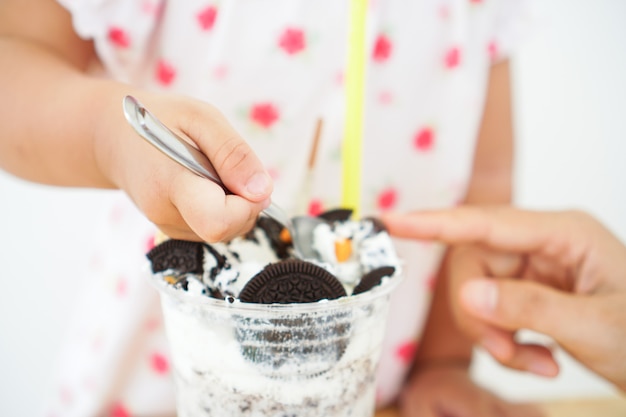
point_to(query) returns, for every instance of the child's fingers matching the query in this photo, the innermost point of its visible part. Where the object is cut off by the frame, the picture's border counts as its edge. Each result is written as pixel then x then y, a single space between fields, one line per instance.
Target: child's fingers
pixel 234 160
pixel 208 212
pixel 182 204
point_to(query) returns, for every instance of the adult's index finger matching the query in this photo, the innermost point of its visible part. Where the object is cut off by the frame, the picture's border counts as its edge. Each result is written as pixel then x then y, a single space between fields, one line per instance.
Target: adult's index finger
pixel 499 227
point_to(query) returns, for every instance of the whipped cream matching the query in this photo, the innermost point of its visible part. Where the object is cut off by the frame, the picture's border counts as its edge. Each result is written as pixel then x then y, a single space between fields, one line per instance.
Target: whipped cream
pixel 229 266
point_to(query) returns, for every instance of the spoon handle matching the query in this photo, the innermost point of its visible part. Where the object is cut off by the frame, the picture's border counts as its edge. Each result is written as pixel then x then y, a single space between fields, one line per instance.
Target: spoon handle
pixel 168 142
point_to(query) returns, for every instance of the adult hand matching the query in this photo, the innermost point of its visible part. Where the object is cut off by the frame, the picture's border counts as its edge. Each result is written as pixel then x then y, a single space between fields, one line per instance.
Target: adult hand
pixel 182 204
pixel 562 274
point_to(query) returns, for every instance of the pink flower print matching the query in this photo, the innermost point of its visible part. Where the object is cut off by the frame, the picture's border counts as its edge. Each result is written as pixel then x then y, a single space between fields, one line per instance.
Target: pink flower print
pixel 316 207
pixel 292 40
pixel 206 17
pixel 220 72
pixel 117 213
pixel 149 245
pixel 150 8
pixel 152 324
pixel 452 58
pixel 340 78
pixel 274 173
pixel 118 37
pixel 159 363
pixel 431 283
pixel 96 343
pixel 424 139
pixel 382 48
pixel 476 1
pixel 96 262
pixel 121 287
pixel 264 114
pixel 405 352
pixel 444 12
pixel 492 50
pixel 89 383
pixel 66 396
pixel 165 73
pixel 385 97
pixel 119 410
pixel 387 199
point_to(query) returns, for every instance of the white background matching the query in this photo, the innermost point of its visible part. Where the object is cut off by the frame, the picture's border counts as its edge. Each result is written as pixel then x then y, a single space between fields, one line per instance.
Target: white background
pixel 570 86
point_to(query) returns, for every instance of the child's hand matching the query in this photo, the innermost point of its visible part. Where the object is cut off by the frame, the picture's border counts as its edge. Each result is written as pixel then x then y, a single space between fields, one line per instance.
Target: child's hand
pixel 63 126
pixel 449 391
pixel 182 204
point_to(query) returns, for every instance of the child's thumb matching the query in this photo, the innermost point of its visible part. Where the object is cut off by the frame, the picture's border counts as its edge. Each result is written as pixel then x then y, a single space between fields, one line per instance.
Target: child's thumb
pixel 233 159
pixel 241 171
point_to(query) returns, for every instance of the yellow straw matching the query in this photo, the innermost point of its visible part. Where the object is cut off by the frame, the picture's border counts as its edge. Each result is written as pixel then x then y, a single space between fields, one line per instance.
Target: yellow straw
pixel 351 153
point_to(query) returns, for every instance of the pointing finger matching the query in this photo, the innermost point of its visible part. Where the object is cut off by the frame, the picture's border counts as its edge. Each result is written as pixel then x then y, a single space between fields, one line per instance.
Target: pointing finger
pixel 503 228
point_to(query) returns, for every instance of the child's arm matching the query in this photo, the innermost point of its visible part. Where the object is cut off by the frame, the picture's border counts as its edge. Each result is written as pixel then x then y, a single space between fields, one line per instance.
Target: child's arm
pixel 490 183
pixel 440 379
pixel 59 126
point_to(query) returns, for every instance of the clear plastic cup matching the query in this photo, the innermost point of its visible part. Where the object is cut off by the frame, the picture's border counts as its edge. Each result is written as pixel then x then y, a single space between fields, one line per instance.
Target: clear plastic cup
pixel 287 360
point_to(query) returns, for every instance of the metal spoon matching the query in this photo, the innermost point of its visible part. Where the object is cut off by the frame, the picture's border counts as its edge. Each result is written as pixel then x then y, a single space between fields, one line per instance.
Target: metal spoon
pixel 157 134
pixel 304 236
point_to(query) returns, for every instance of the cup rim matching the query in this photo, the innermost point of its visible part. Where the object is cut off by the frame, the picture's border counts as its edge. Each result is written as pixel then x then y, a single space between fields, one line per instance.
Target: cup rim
pixel 385 288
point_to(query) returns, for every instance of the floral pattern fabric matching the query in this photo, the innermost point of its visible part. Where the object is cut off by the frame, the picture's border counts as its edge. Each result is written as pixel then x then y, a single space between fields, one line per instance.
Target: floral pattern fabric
pixel 275 68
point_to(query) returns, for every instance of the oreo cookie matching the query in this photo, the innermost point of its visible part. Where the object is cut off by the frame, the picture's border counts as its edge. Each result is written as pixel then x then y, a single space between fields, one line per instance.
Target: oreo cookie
pixel 274 232
pixel 181 256
pixel 295 346
pixel 373 278
pixel 379 226
pixel 336 215
pixel 291 281
pixel 301 344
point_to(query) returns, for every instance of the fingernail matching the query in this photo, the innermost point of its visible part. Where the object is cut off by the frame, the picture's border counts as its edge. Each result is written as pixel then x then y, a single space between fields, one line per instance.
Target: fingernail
pixel 480 296
pixel 542 368
pixel 258 184
pixel 266 203
pixel 497 348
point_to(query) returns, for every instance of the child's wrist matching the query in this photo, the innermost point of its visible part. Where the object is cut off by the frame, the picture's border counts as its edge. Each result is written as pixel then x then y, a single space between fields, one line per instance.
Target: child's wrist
pixel 107 133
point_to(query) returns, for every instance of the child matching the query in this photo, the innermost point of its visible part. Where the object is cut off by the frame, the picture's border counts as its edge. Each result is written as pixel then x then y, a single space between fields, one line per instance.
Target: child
pixel 270 70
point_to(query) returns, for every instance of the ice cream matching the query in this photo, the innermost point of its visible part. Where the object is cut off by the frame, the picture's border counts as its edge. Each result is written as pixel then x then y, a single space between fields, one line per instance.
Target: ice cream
pixel 348 249
pixel 256 333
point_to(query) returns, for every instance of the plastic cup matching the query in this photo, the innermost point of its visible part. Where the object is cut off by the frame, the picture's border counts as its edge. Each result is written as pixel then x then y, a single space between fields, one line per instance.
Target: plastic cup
pixel 287 360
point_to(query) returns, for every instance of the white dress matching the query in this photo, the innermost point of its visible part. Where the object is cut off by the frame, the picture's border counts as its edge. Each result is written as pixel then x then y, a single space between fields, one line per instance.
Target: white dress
pixel 274 67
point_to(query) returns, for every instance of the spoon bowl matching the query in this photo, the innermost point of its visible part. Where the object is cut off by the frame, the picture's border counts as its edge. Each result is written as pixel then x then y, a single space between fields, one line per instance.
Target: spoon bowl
pixel 303 236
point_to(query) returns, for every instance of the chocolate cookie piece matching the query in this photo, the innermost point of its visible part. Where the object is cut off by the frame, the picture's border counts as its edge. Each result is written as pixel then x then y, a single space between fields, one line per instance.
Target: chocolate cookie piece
pixel 373 278
pixel 181 256
pixel 336 215
pixel 273 231
pixel 379 226
pixel 220 261
pixel 296 346
pixel 291 281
